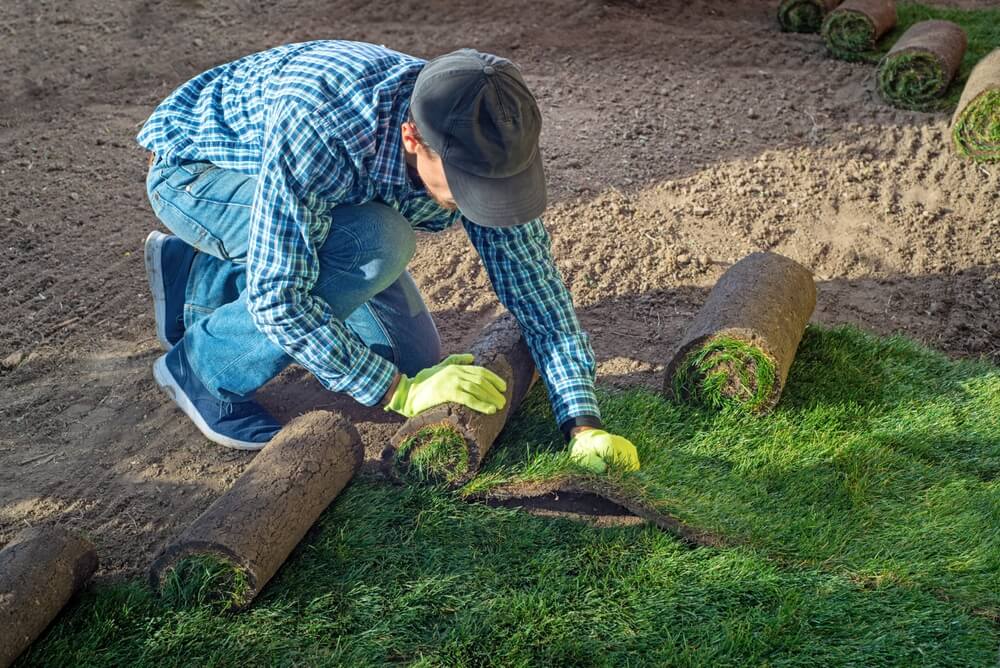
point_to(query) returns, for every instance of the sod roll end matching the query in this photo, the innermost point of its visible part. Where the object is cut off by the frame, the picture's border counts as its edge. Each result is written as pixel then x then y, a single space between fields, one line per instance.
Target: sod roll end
pixel 741 344
pixel 853 28
pixel 40 570
pixel 231 550
pixel 917 71
pixel 804 15
pixel 975 128
pixel 448 443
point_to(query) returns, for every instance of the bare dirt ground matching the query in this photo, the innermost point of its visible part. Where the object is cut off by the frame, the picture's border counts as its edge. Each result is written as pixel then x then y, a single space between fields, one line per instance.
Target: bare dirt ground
pixel 679 136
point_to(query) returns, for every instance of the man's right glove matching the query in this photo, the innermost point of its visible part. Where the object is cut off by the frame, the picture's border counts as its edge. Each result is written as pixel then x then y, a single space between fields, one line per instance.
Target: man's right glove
pixel 454 380
pixel 595 448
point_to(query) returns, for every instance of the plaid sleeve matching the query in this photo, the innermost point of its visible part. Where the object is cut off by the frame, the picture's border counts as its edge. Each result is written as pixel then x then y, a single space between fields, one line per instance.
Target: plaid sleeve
pixel 519 262
pixel 303 173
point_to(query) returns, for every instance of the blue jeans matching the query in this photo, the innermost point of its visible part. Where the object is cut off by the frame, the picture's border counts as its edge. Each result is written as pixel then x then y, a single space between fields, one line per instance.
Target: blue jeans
pixel 209 208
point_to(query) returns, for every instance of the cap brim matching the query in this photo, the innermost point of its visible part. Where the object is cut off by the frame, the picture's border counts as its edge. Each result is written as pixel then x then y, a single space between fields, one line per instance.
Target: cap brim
pixel 499 202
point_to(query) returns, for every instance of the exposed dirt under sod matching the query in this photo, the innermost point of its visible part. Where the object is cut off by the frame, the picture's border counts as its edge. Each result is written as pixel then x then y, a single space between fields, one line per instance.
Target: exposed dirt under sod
pixel 679 137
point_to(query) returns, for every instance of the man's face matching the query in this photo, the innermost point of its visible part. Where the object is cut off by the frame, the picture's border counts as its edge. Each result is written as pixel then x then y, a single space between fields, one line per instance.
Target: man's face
pixel 429 167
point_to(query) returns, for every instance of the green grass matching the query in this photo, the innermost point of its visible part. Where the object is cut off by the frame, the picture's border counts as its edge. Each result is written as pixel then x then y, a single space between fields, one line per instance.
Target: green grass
pixel 977 132
pixel 913 80
pixel 849 35
pixel 880 463
pixel 727 372
pixel 982 27
pixel 206 580
pixel 801 15
pixel 433 454
pixel 414 576
pixel 865 513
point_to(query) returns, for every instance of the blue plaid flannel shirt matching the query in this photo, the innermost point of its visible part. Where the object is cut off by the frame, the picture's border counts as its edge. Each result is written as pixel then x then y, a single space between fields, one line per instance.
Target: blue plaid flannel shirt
pixel 318 124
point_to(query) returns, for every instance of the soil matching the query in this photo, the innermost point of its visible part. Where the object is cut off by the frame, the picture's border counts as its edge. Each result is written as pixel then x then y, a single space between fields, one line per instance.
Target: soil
pixel 577 506
pixel 679 137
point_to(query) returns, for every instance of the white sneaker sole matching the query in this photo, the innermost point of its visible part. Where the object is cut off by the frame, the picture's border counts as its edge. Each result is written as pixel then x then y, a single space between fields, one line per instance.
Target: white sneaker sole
pixel 166 380
pixel 154 272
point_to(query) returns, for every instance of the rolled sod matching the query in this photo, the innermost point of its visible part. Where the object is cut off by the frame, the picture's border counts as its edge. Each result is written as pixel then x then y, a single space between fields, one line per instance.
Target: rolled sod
pixel 918 69
pixel 742 342
pixel 975 127
pixel 804 15
pixel 448 443
pixel 40 570
pixel 231 550
pixel 855 26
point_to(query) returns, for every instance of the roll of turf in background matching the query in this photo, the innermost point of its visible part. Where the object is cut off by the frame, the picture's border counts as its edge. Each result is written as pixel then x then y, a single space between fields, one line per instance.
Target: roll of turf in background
pixel 448 443
pixel 853 28
pixel 742 342
pixel 975 127
pixel 917 71
pixel 40 570
pixel 804 15
pixel 231 550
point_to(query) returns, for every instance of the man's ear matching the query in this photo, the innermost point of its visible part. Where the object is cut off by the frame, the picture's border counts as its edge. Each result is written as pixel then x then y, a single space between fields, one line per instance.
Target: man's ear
pixel 410 141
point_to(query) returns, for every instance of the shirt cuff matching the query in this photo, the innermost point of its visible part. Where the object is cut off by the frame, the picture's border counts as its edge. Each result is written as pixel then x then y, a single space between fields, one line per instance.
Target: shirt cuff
pixel 579 421
pixel 370 380
pixel 570 399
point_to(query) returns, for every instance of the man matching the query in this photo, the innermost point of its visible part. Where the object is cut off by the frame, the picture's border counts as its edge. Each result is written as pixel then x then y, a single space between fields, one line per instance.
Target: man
pixel 293 180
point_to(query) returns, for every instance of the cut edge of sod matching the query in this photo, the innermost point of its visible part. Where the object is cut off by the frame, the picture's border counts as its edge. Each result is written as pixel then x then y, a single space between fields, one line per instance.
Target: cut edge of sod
pixel 437 453
pixel 205 578
pixel 805 16
pixel 977 130
pixel 726 371
pixel 914 80
pixel 618 488
pixel 849 35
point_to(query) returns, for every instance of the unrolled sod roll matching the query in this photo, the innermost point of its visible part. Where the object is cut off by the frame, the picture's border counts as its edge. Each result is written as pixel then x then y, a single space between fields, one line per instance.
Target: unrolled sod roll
pixel 853 28
pixel 40 570
pixel 917 71
pixel 231 550
pixel 804 15
pixel 448 443
pixel 742 342
pixel 975 127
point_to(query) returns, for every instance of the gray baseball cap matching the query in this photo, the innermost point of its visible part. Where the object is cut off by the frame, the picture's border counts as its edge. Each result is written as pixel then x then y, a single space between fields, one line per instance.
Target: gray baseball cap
pixel 476 112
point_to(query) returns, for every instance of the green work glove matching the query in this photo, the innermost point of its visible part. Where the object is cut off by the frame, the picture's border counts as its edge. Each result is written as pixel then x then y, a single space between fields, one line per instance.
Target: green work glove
pixel 595 449
pixel 454 380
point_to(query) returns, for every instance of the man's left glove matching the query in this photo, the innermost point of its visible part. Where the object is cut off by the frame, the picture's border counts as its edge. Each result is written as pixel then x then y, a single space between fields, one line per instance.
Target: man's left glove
pixel 595 448
pixel 455 380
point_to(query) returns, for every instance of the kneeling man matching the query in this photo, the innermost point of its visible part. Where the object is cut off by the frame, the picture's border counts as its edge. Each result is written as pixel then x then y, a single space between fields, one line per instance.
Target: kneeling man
pixel 293 181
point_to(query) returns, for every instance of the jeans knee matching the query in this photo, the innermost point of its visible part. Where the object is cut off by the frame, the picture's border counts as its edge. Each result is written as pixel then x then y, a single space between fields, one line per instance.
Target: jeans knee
pixel 383 231
pixel 399 241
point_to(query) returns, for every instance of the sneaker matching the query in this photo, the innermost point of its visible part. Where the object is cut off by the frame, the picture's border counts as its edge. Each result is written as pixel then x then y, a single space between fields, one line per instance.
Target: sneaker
pixel 168 263
pixel 243 425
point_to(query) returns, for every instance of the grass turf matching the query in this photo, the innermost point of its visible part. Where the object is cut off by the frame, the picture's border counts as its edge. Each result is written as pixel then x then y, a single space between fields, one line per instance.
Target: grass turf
pixel 849 35
pixel 868 505
pixel 913 81
pixel 801 15
pixel 977 131
pixel 982 26
pixel 206 580
pixel 727 372
pixel 414 576
pixel 433 454
pixel 881 463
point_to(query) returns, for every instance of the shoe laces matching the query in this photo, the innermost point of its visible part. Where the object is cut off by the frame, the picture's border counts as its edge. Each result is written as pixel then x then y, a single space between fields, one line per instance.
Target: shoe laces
pixel 225 408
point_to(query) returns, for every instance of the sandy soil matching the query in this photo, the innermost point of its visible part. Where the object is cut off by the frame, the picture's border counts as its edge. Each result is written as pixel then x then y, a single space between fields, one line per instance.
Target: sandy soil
pixel 679 136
